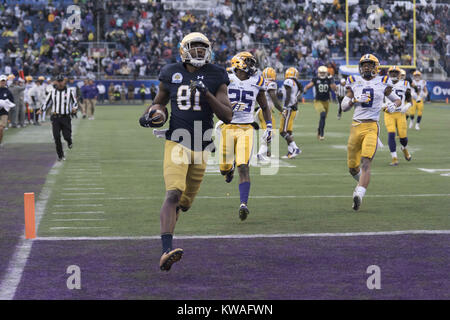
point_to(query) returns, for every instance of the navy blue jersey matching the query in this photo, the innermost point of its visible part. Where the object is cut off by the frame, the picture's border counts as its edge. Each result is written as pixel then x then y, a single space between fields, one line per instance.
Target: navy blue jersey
pixel 323 88
pixel 5 94
pixel 188 112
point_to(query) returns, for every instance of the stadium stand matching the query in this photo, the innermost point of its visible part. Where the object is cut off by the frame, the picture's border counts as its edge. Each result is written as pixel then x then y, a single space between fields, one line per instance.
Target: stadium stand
pixel 137 37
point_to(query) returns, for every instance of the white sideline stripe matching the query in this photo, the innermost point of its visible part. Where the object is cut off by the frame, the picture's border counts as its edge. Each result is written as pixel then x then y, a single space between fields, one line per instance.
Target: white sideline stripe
pixel 78 205
pixel 267 197
pixel 77 219
pixel 83 188
pixel 13 275
pixel 81 194
pixel 77 228
pixel 80 212
pixel 252 236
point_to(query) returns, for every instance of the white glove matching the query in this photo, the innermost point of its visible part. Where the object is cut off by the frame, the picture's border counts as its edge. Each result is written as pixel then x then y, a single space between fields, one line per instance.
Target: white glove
pixel 405 108
pixel 390 107
pixel 362 98
pixel 419 99
pixel 267 136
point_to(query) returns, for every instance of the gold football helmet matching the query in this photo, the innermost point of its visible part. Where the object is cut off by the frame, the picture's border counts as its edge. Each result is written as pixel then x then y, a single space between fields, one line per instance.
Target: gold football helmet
pixel 417 75
pixel 322 72
pixel 195 49
pixel 291 73
pixel 244 61
pixel 372 68
pixel 402 74
pixel 29 78
pixel 11 77
pixel 269 74
pixel 394 73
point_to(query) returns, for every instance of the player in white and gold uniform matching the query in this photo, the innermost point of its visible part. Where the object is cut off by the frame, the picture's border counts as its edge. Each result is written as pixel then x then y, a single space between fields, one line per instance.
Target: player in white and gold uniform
pixel 396 122
pixel 269 76
pixel 366 93
pixel 291 92
pixel 245 89
pixel 419 95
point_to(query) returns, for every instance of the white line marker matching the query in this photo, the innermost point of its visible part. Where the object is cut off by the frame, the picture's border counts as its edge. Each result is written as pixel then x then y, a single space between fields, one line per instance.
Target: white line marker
pixel 77 205
pixel 77 228
pixel 77 219
pixel 81 194
pixel 253 236
pixel 80 212
pixel 83 188
pixel 269 197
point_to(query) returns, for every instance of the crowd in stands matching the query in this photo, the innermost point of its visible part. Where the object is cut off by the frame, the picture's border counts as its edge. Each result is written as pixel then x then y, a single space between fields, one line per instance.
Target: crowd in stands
pixel 39 39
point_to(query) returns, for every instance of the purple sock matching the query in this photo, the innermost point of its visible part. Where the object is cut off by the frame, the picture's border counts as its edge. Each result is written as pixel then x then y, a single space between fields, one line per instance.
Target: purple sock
pixel 244 190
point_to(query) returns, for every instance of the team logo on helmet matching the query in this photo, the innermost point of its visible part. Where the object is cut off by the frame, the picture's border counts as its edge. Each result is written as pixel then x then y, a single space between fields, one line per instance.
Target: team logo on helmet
pixel 244 61
pixel 269 74
pixel 291 73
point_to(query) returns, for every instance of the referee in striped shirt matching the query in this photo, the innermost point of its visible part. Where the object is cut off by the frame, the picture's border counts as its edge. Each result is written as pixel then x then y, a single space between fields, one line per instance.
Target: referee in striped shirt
pixel 340 94
pixel 63 102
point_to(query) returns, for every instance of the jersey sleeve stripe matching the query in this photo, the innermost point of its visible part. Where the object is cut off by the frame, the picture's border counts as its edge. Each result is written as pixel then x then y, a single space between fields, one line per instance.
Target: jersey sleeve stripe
pixel 385 78
pixel 350 78
pixel 261 81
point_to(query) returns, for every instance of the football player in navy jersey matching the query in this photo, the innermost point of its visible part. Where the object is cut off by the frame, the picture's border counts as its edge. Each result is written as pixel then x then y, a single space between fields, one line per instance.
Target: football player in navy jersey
pixel 196 90
pixel 323 85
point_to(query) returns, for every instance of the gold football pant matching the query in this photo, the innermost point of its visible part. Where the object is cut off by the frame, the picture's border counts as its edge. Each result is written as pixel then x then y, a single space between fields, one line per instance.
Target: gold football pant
pixel 262 121
pixel 362 142
pixel 287 121
pixel 396 122
pixel 321 106
pixel 183 171
pixel 236 144
pixel 416 106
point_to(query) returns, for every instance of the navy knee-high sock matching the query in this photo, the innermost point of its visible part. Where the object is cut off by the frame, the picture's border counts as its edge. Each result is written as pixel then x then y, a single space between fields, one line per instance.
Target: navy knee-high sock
pixel 419 118
pixel 244 190
pixel 323 116
pixel 391 141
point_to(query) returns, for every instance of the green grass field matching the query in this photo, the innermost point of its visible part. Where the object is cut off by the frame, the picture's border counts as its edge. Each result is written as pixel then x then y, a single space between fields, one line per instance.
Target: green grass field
pixel 112 183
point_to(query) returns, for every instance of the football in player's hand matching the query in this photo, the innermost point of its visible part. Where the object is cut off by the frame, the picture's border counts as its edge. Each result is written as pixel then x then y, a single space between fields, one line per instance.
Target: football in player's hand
pixel 157 114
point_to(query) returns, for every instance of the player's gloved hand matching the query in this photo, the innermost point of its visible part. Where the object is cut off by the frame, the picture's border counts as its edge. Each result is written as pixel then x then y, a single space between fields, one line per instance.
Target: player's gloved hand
pixel 390 107
pixel 405 108
pixel 198 85
pixel 419 99
pixel 267 136
pixel 150 120
pixel 362 98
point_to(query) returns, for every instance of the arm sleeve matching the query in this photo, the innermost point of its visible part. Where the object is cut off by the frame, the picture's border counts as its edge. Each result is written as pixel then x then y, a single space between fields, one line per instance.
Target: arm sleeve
pixel 74 99
pixel 48 101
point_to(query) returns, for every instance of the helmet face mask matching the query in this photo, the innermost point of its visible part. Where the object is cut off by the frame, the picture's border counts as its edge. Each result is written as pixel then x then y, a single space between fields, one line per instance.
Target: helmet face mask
pixel 368 66
pixel 245 62
pixel 195 49
pixel 417 75
pixel 394 75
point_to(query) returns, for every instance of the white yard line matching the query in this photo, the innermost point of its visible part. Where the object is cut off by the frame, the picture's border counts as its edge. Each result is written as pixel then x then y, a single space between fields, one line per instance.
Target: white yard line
pixel 77 205
pixel 77 228
pixel 77 220
pixel 253 236
pixel 83 188
pixel 80 212
pixel 267 197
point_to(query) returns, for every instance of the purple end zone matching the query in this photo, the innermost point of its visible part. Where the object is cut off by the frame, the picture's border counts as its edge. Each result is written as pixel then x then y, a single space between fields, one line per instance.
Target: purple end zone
pixel 24 168
pixel 412 267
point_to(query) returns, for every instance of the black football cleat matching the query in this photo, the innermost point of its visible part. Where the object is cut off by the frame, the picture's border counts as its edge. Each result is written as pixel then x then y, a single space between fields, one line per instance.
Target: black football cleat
pixel 243 212
pixel 230 174
pixel 356 201
pixel 169 258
